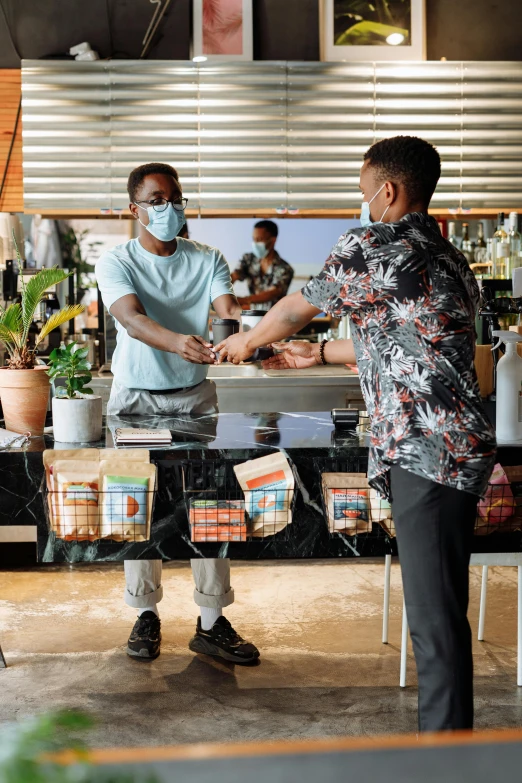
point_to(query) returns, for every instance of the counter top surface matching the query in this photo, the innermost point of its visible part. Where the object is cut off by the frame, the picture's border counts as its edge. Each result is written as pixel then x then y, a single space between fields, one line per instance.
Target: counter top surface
pixel 223 432
pixel 208 446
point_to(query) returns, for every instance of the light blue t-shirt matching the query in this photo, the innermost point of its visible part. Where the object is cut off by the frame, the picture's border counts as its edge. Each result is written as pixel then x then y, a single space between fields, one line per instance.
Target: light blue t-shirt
pixel 176 291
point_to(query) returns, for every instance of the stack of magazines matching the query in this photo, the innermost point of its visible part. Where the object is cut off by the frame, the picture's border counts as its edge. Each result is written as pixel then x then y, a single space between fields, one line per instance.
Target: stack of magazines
pixel 126 436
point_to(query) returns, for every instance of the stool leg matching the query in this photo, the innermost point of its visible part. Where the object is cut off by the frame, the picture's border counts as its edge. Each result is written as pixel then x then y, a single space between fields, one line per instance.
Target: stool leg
pixel 483 600
pixel 519 628
pixel 3 663
pixel 404 647
pixel 386 608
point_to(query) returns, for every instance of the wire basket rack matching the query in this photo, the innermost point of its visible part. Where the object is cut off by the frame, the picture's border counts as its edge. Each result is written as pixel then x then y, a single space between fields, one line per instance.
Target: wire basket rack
pixel 351 507
pixel 219 510
pixel 86 513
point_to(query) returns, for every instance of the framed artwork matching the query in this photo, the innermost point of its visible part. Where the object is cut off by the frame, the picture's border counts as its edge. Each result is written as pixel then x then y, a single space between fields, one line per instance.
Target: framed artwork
pixel 222 30
pixel 353 30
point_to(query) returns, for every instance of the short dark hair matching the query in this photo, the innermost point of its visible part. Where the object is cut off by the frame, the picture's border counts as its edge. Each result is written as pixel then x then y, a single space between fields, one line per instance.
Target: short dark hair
pixel 138 174
pixel 413 162
pixel 269 226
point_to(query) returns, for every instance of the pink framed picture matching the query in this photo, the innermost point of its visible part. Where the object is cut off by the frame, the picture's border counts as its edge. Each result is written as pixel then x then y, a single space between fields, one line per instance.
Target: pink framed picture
pixel 222 30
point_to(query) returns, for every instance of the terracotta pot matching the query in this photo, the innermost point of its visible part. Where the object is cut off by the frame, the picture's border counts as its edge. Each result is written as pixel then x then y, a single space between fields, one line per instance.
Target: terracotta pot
pixel 24 395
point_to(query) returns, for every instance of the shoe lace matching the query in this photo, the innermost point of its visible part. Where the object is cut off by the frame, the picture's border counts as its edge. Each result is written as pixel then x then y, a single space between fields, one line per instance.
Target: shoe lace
pixel 145 625
pixel 227 632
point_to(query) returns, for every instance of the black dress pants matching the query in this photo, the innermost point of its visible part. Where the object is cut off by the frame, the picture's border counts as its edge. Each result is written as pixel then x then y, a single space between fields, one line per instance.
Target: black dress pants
pixel 434 526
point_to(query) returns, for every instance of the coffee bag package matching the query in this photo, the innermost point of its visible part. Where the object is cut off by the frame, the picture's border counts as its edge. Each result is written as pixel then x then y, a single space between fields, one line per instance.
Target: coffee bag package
pixel 217 520
pixel 346 498
pixel 268 484
pixel 127 499
pixel 77 499
pixel 50 456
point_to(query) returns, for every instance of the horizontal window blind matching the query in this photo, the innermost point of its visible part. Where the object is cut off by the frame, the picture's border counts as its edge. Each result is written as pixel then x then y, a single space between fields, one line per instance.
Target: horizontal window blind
pixel 264 135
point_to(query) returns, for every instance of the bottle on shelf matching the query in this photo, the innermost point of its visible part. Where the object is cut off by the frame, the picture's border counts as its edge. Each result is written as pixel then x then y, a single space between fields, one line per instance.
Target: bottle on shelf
pixel 467 247
pixel 501 269
pixel 452 234
pixel 515 259
pixel 480 245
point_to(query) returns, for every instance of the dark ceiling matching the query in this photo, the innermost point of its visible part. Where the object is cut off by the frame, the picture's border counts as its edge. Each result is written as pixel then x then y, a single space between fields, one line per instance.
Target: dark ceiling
pixel 283 29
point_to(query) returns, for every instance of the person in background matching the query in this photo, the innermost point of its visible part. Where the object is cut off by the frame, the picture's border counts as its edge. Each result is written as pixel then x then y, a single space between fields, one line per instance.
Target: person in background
pixel 159 288
pixel 268 277
pixel 412 300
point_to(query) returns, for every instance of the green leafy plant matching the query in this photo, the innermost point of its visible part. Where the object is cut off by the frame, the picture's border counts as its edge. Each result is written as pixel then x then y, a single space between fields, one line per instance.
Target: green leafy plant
pixel 16 320
pixel 70 362
pixel 28 748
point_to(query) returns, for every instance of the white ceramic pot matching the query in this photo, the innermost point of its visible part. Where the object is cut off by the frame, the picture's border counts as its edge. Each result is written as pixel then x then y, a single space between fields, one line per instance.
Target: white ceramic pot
pixel 78 420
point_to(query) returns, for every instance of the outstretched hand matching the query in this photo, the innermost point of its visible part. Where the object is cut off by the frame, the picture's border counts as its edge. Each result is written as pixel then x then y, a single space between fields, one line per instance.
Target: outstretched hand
pixel 296 355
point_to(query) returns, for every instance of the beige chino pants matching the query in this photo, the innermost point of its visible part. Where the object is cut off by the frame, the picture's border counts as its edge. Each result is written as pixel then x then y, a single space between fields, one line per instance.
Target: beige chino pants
pixel 143 586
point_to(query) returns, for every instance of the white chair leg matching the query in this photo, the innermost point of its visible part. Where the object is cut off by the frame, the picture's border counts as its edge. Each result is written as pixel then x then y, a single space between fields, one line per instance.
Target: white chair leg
pixel 386 608
pixel 519 628
pixel 404 647
pixel 483 601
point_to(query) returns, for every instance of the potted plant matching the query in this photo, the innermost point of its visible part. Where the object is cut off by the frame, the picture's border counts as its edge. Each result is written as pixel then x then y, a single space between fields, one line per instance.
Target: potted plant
pixel 24 386
pixel 77 416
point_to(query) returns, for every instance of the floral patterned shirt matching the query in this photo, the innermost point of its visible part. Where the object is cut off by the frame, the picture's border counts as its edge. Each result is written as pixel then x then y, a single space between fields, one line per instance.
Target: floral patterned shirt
pixel 280 274
pixel 412 299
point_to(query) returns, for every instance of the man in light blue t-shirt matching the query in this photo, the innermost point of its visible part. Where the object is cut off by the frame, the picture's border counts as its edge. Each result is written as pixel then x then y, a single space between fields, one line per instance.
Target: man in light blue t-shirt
pixel 159 288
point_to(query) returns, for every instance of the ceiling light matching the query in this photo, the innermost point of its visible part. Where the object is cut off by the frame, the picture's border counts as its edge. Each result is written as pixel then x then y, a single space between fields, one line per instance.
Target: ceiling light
pixel 201 58
pixel 395 39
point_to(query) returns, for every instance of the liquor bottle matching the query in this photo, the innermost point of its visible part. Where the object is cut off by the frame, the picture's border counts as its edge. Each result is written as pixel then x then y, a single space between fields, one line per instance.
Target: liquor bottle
pixel 452 234
pixel 480 245
pixel 500 251
pixel 514 242
pixel 468 247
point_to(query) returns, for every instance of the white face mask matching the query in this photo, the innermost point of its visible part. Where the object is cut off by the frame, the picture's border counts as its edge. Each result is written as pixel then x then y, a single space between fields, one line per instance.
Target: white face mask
pixel 365 218
pixel 260 250
pixel 164 225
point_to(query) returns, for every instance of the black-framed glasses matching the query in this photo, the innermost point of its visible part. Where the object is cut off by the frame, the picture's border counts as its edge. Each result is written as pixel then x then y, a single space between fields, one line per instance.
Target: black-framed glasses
pixel 161 204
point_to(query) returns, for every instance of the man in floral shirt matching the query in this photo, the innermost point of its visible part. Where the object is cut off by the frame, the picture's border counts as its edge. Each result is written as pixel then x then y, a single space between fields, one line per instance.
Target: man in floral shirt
pixel 268 277
pixel 411 298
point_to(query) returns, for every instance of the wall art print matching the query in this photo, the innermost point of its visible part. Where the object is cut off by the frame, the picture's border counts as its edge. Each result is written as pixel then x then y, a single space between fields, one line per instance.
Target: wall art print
pixel 222 29
pixel 372 30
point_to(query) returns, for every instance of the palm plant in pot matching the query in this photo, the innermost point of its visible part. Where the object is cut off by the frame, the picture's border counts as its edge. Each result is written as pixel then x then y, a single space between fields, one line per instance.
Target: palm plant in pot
pixel 77 413
pixel 24 385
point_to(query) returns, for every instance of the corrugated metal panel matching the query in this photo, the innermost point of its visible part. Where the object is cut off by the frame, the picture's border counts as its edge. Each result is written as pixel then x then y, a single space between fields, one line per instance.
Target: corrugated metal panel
pixel 154 117
pixel 242 135
pixel 424 99
pixel 261 135
pixel 66 111
pixel 330 126
pixel 492 134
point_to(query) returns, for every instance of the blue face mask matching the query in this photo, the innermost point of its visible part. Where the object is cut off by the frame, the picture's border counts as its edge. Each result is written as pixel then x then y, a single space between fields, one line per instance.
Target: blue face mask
pixel 259 249
pixel 164 225
pixel 366 218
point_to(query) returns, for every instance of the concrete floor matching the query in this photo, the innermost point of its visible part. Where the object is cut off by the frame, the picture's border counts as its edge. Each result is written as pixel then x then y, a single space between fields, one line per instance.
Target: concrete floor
pixel 323 671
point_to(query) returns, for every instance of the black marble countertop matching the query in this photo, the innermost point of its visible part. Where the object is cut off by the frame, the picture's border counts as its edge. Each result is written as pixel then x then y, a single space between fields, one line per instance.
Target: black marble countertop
pixel 220 431
pixel 211 445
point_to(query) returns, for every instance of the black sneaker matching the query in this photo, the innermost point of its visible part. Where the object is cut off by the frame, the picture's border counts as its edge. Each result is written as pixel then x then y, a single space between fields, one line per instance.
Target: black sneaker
pixel 145 639
pixel 223 642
